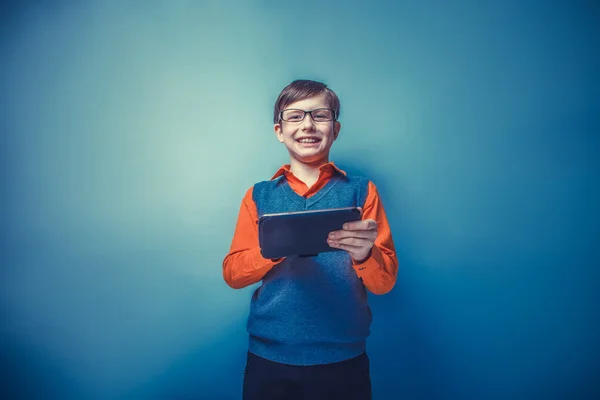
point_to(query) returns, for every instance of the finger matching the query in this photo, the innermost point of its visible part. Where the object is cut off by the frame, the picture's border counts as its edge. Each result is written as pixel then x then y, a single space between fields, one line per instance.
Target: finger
pixel 357 234
pixel 363 225
pixel 346 246
pixel 354 242
pixel 354 251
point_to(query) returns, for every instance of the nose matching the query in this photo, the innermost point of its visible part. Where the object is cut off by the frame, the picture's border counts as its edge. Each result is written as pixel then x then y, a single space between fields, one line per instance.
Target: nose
pixel 308 123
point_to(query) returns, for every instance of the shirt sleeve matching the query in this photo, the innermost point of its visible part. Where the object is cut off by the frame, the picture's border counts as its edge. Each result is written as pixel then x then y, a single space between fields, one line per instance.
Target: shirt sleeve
pixel 379 271
pixel 244 265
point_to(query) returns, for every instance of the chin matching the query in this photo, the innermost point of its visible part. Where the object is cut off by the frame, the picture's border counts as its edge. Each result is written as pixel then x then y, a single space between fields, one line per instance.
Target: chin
pixel 308 155
pixel 311 158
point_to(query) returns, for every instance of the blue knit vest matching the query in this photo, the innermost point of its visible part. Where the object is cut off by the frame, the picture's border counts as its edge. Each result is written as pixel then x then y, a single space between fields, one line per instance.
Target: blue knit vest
pixel 310 310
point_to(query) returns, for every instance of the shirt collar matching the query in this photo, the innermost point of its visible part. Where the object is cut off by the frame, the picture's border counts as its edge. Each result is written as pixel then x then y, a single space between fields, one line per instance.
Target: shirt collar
pixel 285 169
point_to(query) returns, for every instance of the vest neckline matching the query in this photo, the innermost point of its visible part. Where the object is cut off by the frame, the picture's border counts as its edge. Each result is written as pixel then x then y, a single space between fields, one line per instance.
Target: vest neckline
pixel 285 186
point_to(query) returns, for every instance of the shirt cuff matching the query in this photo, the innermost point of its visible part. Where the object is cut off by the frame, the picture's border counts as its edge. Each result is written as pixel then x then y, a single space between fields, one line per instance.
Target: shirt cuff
pixel 370 264
pixel 259 262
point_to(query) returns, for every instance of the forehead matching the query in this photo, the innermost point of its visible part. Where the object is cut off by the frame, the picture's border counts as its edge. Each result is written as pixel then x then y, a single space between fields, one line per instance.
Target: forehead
pixel 311 103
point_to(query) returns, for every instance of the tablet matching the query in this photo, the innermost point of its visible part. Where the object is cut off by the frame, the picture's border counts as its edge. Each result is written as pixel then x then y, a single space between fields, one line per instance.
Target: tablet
pixel 302 233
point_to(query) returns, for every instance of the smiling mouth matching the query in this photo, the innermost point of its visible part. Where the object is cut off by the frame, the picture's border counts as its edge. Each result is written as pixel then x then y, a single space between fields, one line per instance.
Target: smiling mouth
pixel 308 140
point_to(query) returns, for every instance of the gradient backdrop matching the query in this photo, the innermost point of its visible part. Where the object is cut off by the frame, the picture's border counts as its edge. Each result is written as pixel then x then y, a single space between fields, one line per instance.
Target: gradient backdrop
pixel 131 130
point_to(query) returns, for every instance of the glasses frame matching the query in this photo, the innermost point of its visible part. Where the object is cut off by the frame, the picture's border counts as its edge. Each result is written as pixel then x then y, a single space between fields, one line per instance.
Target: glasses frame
pixel 307 112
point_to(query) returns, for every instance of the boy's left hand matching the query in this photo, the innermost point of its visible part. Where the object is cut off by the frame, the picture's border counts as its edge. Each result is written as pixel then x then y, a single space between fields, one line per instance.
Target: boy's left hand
pixel 357 238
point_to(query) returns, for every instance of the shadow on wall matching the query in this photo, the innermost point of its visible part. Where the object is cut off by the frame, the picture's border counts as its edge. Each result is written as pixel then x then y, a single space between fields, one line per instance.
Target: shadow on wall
pixel 404 361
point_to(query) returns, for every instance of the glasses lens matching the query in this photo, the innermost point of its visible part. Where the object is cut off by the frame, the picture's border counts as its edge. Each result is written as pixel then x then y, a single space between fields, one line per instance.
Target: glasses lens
pixel 292 115
pixel 322 114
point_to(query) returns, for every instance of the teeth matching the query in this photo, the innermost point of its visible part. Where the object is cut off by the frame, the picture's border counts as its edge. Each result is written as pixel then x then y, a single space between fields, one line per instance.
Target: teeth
pixel 308 140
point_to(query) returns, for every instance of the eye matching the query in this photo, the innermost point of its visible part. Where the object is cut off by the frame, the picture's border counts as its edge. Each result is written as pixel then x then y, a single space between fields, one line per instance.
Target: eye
pixel 323 115
pixel 293 115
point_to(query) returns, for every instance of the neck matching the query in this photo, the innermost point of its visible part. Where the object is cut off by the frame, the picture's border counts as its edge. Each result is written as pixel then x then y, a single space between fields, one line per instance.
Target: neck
pixel 307 172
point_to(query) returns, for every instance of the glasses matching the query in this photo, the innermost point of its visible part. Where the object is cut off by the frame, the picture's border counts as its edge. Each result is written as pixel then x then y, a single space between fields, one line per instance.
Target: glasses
pixel 318 115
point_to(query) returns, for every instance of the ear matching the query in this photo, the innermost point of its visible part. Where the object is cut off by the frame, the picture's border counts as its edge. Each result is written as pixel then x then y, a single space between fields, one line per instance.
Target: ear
pixel 336 129
pixel 279 132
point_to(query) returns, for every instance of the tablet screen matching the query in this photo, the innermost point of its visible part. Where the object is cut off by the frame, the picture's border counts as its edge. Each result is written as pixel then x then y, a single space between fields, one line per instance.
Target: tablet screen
pixel 302 233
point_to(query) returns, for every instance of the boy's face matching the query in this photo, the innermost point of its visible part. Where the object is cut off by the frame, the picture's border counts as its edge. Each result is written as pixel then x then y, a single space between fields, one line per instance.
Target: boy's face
pixel 308 141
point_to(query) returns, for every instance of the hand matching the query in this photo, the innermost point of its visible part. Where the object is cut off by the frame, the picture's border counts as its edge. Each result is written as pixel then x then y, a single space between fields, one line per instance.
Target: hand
pixel 357 238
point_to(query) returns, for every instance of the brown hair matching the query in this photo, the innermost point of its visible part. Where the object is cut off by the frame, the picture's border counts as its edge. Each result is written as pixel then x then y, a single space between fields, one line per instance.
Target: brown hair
pixel 303 89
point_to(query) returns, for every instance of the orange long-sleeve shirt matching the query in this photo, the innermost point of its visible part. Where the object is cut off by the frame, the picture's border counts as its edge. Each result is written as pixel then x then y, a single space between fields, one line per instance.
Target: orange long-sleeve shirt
pixel 244 265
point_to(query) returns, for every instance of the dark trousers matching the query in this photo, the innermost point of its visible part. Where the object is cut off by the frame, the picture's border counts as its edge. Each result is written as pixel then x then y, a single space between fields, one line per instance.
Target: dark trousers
pixel 268 380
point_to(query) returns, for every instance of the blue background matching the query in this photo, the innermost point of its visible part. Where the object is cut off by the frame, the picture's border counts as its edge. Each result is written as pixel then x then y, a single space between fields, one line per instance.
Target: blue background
pixel 131 130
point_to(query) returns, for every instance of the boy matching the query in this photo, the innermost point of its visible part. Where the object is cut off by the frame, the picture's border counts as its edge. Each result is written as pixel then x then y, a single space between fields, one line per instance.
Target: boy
pixel 310 318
